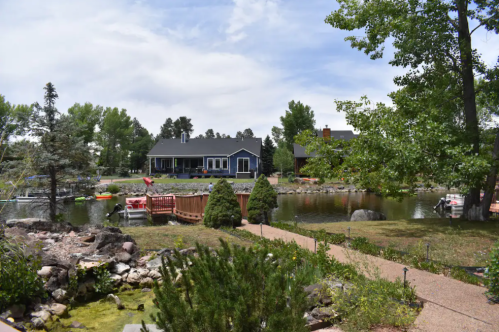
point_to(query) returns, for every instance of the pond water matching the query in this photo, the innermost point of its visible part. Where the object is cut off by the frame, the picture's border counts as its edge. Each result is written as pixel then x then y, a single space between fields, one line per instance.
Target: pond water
pixel 311 208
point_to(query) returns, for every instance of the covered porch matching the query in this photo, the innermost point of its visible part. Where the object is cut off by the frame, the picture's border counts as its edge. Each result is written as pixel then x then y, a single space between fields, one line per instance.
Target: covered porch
pixel 189 167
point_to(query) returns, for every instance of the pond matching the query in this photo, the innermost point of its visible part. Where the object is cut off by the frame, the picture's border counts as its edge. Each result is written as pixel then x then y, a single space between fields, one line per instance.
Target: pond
pixel 311 208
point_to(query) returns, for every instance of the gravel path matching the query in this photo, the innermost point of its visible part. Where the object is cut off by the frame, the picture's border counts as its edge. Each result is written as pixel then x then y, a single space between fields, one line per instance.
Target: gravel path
pixel 451 305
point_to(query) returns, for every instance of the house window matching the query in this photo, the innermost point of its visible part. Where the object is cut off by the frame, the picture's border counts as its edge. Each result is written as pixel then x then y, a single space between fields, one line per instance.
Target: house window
pixel 210 163
pixel 225 163
pixel 217 163
pixel 243 165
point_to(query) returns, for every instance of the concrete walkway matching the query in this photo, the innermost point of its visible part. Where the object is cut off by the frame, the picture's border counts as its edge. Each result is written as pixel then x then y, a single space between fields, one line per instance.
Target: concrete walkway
pixel 451 305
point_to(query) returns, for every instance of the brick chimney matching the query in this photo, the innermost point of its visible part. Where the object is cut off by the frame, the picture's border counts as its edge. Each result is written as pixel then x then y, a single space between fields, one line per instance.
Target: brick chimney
pixel 326 133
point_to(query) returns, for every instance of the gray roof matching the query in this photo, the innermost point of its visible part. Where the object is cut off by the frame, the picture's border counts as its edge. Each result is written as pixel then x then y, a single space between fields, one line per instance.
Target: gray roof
pixel 299 151
pixel 204 147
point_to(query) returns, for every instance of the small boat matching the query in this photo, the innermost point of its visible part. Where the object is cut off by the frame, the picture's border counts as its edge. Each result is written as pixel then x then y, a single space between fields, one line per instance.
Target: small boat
pixel 7 200
pixel 455 201
pixel 104 196
pixel 83 198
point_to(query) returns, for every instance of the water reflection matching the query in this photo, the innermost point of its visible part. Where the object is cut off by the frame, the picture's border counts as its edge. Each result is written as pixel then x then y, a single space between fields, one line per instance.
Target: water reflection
pixel 314 208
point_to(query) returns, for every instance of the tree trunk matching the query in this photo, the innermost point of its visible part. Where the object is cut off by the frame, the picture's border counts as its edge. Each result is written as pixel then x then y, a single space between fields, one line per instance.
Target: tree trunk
pixel 468 80
pixel 491 181
pixel 53 193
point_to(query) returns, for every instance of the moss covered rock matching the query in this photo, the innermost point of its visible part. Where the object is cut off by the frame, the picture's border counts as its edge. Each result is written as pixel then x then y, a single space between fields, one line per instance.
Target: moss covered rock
pixel 222 204
pixel 262 200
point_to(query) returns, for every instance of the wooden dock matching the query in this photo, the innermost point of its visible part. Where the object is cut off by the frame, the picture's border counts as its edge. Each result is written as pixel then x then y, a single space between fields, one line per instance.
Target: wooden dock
pixel 188 208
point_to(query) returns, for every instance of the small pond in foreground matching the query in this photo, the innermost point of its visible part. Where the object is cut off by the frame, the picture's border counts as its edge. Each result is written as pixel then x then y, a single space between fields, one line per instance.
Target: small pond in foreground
pixel 311 208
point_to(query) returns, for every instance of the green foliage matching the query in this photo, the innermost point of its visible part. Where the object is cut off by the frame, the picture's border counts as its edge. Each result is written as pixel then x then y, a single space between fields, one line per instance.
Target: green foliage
pixel 462 275
pixel 283 160
pixel 113 188
pixel 19 282
pixel 179 242
pixel 368 303
pixel 247 133
pixel 320 235
pixel 103 282
pixel 142 142
pixel 182 124
pixel 166 130
pixel 86 117
pixel 363 245
pixel 268 156
pixel 250 290
pixel 493 273
pixel 291 178
pixel 262 200
pixel 123 172
pixel 59 217
pixel 297 119
pixel 74 279
pixel 222 205
pixel 14 120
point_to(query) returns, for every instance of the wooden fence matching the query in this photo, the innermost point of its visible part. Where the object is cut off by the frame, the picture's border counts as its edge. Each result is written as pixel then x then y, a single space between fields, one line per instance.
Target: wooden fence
pixel 191 208
pixel 160 204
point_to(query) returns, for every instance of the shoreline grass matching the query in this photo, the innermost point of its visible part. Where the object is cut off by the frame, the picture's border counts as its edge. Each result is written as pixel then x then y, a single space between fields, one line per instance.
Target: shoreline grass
pixel 464 243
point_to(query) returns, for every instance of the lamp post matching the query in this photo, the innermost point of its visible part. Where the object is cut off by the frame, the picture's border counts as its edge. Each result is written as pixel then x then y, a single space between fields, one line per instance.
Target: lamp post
pixel 405 275
pixel 315 245
pixel 296 221
pixel 261 230
pixel 232 219
pixel 427 252
pixel 450 220
pixel 349 231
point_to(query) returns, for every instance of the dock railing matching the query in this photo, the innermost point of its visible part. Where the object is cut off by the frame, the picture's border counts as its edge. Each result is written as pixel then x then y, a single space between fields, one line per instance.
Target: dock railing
pixel 159 204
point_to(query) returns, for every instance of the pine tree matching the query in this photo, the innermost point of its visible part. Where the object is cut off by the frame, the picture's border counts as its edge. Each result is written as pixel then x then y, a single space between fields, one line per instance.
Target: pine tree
pixel 268 156
pixel 222 205
pixel 262 200
pixel 236 289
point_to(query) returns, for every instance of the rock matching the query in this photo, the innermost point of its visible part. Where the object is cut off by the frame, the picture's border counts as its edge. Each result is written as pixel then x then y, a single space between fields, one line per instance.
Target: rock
pixel 124 277
pixel 82 290
pixel 38 323
pixel 133 277
pixel 109 242
pixel 43 314
pixel 5 314
pixel 37 224
pixel 367 215
pixel 129 247
pixel 154 274
pixel 77 325
pixel 90 285
pixel 87 265
pixel 145 290
pixel 143 260
pixel 116 278
pixel 17 310
pixel 154 264
pixel 323 313
pixel 45 272
pixel 117 300
pixel 59 295
pixel 90 238
pixel 165 252
pixel 123 257
pixel 72 234
pixel 59 279
pixel 120 268
pixel 58 309
pixel 146 282
pixel 143 272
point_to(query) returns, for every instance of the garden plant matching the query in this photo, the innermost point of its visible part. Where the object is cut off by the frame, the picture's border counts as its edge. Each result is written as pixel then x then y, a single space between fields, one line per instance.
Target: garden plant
pixel 262 200
pixel 222 208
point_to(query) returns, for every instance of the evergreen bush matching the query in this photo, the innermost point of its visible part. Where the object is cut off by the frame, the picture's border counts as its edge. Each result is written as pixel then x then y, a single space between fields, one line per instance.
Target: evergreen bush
pixel 492 273
pixel 262 200
pixel 113 189
pixel 236 289
pixel 222 204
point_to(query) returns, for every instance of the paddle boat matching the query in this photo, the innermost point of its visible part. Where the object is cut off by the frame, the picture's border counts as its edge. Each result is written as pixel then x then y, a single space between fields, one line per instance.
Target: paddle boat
pixel 104 196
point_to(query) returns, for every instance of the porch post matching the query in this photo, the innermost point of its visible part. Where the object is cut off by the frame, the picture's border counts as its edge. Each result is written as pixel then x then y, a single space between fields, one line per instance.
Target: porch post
pixel 173 165
pixel 150 169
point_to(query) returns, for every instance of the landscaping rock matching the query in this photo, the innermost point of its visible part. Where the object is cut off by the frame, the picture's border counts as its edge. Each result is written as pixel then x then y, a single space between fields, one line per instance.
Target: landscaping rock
pixel 154 274
pixel 367 215
pixel 90 238
pixel 154 264
pixel 17 310
pixel 116 279
pixel 143 272
pixel 58 309
pixel 123 257
pixel 38 323
pixel 145 290
pixel 117 300
pixel 77 325
pixel 82 290
pixel 323 313
pixel 120 268
pixel 109 242
pixel 188 251
pixel 59 295
pixel 146 282
pixel 43 314
pixel 45 272
pixel 129 247
pixel 89 285
pixel 133 277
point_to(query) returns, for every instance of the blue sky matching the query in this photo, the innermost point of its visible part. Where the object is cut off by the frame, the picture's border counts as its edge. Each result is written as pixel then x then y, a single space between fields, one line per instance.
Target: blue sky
pixel 227 64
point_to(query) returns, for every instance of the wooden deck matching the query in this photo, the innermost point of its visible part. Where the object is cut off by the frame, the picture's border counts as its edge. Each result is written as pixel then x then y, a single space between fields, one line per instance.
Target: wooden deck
pixel 191 208
pixel 494 208
pixel 158 205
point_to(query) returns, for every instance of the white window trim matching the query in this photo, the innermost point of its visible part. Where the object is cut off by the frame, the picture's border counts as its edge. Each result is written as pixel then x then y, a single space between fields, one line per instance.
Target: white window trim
pixel 219 162
pixel 208 163
pixel 222 164
pixel 249 164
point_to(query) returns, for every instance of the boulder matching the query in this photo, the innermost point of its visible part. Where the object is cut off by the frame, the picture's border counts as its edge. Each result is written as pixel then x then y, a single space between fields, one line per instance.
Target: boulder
pixel 123 257
pixel 116 278
pixel 133 277
pixel 45 272
pixel 367 215
pixel 154 263
pixel 43 314
pixel 143 272
pixel 60 295
pixel 129 247
pixel 120 268
pixel 58 309
pixel 188 251
pixel 59 279
pixel 109 242
pixel 77 325
pixel 90 238
pixel 323 313
pixel 37 224
pixel 146 282
pixel 38 323
pixel 154 274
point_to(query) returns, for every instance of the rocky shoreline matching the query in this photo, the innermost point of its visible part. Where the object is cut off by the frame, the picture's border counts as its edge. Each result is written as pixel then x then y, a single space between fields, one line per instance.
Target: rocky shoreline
pixel 138 189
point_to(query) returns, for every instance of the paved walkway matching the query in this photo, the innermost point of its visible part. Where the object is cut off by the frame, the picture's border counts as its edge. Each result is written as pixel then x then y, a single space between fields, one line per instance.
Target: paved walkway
pixel 451 305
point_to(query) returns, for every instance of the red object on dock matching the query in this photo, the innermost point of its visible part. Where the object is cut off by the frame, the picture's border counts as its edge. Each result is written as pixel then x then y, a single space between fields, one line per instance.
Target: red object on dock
pixel 147 181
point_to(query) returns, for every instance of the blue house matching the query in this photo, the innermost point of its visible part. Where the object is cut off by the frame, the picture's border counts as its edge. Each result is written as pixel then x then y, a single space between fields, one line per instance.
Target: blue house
pixel 220 157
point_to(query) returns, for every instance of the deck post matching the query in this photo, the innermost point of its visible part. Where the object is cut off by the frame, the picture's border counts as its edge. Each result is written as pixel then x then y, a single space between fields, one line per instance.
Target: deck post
pixel 150 169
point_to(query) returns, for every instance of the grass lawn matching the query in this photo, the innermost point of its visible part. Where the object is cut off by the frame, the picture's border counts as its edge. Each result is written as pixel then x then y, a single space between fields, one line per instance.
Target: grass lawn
pixel 464 243
pixel 159 237
pixel 188 180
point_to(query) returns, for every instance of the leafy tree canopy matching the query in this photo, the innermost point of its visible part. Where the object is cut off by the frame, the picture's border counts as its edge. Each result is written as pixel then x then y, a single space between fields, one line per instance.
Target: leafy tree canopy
pixel 283 160
pixel 166 130
pixel 182 124
pixel 14 119
pixel 86 117
pixel 297 119
pixel 246 133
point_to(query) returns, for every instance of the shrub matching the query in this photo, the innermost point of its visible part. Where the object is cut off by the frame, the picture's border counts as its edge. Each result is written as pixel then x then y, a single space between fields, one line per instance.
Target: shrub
pixel 262 200
pixel 113 189
pixel 19 282
pixel 179 242
pixel 216 293
pixel 222 204
pixel 291 178
pixel 103 282
pixel 363 245
pixel 492 273
pixel 123 172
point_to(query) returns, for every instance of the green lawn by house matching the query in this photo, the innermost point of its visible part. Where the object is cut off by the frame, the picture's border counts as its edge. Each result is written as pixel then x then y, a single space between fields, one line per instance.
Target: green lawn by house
pixel 464 243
